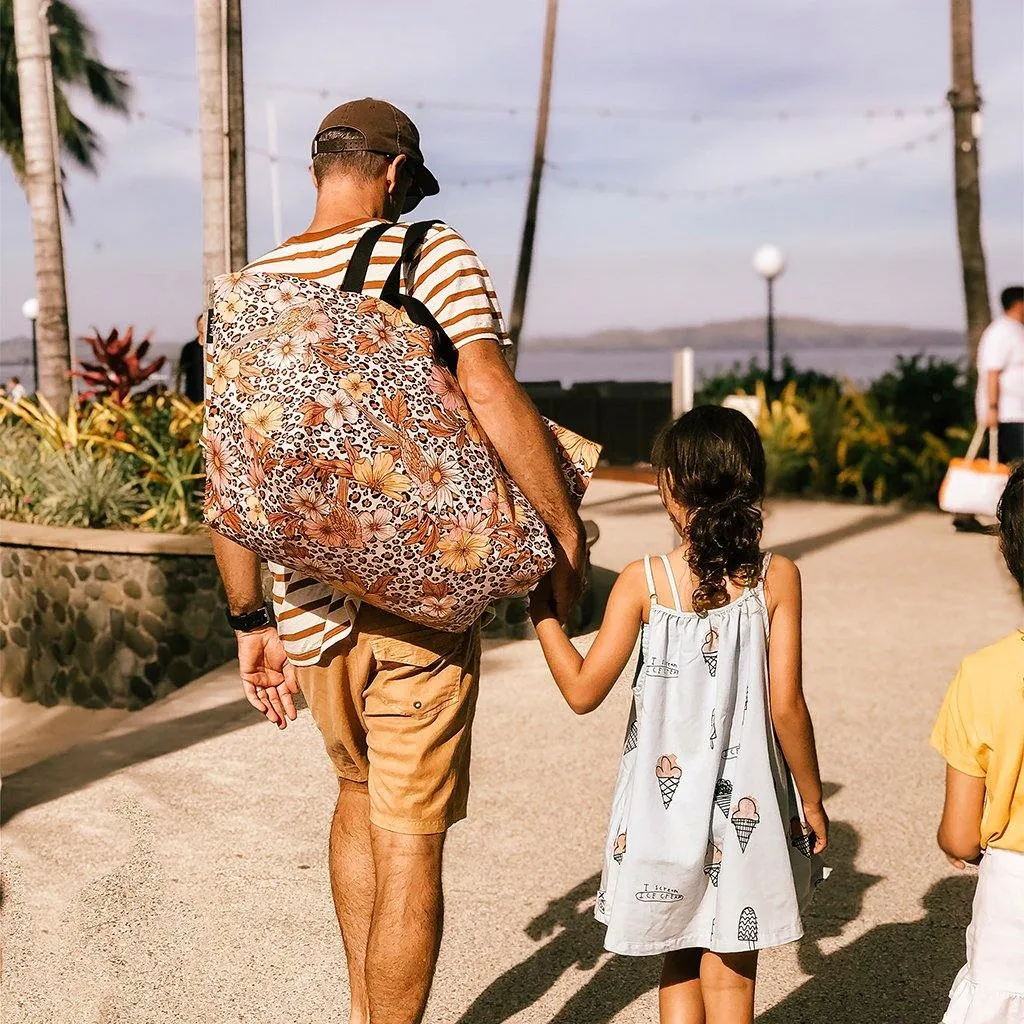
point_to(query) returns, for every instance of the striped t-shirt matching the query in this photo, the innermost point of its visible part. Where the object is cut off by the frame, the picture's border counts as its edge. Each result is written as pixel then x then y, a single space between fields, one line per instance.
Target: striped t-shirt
pixel 451 281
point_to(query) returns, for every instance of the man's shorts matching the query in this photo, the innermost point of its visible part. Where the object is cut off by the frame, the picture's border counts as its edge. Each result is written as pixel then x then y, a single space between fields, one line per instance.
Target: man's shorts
pixel 395 705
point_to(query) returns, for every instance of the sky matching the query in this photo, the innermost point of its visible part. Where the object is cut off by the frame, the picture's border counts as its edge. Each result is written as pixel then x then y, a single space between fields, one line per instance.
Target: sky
pixel 874 243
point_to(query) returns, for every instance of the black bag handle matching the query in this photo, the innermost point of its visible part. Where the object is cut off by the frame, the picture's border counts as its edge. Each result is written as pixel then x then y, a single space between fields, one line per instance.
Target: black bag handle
pixel 417 311
pixel 359 263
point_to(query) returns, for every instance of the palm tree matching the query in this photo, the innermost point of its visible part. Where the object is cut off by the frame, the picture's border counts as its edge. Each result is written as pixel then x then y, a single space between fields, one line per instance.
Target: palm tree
pixel 965 101
pixel 76 65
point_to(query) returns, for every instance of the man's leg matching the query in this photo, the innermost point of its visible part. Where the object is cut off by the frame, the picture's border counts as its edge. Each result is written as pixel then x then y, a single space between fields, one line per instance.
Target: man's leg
pixel 405 934
pixel 352 884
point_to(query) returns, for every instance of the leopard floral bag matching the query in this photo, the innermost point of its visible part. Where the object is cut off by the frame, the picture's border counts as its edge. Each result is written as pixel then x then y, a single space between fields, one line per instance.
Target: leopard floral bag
pixel 339 443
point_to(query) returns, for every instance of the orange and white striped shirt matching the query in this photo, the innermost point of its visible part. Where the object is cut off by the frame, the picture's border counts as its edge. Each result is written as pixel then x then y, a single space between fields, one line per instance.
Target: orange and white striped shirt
pixel 451 281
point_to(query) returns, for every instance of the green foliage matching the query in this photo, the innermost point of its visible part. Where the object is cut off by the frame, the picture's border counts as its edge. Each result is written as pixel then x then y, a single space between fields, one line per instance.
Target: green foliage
pixel 82 490
pixel 76 66
pixel 138 464
pixel 928 396
pixel 745 380
pixel 893 441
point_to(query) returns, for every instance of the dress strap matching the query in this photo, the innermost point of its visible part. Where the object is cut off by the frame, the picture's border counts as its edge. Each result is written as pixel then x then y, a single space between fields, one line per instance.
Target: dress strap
pixel 765 563
pixel 672 583
pixel 651 588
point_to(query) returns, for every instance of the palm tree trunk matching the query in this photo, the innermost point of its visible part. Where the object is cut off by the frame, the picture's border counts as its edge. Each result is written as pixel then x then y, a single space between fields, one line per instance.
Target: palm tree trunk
pixel 530 220
pixel 212 141
pixel 42 185
pixel 965 101
pixel 235 113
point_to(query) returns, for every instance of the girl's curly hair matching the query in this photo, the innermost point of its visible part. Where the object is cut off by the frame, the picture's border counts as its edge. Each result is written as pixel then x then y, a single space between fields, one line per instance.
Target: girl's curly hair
pixel 1011 526
pixel 712 462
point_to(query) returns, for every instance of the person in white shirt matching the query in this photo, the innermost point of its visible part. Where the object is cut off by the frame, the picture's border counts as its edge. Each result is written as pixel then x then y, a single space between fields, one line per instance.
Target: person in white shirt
pixel 15 390
pixel 999 400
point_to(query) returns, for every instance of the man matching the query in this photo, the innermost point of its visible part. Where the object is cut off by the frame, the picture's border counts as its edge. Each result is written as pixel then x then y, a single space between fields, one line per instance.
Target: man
pixel 190 366
pixel 999 400
pixel 394 700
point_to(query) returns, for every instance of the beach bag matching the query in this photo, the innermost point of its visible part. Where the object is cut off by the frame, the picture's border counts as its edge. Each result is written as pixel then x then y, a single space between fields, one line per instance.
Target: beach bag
pixel 973 486
pixel 339 444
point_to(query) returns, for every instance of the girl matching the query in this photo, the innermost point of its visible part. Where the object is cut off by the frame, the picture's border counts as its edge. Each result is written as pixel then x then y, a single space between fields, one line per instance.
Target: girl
pixel 713 833
pixel 980 733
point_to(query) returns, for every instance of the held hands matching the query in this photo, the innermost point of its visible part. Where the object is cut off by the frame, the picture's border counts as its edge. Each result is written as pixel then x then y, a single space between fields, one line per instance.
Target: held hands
pixel 542 602
pixel 818 821
pixel 568 577
pixel 268 677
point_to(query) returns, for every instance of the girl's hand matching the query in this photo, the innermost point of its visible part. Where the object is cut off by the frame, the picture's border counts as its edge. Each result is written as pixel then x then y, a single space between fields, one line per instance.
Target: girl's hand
pixel 542 602
pixel 818 820
pixel 961 865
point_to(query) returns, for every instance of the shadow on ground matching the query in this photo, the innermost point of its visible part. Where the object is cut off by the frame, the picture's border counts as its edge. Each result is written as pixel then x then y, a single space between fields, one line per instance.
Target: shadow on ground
pixel 89 762
pixel 866 524
pixel 894 973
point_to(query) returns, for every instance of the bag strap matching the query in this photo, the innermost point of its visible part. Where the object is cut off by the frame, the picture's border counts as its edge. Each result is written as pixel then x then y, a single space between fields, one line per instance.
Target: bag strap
pixel 417 311
pixel 993 444
pixel 414 236
pixel 359 262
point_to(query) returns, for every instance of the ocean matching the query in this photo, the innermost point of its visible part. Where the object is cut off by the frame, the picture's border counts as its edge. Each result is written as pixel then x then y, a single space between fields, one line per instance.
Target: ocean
pixel 860 364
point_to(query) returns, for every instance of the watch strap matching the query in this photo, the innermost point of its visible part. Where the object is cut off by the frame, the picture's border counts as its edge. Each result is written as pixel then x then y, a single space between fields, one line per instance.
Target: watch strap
pixel 258 618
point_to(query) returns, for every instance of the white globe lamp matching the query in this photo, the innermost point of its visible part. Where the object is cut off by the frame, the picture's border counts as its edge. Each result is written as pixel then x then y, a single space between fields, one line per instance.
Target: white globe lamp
pixel 769 262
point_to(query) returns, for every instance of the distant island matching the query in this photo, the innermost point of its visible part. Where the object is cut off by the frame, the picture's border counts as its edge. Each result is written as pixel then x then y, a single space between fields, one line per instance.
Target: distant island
pixel 792 333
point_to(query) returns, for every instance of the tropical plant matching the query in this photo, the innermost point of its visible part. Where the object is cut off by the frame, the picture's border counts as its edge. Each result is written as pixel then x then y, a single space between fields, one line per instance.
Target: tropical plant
pixel 744 380
pixel 786 433
pixel 77 65
pixel 154 439
pixel 928 396
pixel 118 369
pixel 80 489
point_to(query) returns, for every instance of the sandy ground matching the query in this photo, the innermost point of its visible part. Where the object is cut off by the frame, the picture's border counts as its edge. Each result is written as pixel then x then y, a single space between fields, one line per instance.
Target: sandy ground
pixel 170 865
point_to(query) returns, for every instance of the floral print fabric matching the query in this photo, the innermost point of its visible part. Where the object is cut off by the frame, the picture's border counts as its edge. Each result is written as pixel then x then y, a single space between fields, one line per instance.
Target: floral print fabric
pixel 337 445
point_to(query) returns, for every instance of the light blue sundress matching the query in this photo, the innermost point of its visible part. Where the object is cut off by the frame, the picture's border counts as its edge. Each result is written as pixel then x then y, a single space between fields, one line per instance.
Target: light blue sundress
pixel 707 845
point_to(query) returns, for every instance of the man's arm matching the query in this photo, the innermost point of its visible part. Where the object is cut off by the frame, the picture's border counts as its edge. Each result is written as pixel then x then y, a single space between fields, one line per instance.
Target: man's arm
pixel 527 448
pixel 268 678
pixel 992 394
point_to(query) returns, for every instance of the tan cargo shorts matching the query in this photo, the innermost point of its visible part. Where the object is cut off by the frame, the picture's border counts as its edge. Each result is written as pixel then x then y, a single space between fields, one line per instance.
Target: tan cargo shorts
pixel 395 705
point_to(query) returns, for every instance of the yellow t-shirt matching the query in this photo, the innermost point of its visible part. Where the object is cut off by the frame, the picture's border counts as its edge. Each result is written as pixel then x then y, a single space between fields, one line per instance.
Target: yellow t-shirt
pixel 980 732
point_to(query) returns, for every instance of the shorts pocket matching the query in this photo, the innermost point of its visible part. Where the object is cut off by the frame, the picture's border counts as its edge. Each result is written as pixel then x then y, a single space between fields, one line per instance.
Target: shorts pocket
pixel 411 680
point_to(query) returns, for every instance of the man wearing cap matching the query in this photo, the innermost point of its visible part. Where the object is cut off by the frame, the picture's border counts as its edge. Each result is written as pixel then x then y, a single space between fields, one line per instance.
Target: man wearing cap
pixel 394 700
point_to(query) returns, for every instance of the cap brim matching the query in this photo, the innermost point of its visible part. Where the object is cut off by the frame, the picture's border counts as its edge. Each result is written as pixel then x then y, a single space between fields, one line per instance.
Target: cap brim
pixel 423 184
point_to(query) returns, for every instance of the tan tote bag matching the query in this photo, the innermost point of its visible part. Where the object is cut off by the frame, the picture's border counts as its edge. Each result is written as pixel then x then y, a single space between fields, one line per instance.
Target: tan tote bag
pixel 339 444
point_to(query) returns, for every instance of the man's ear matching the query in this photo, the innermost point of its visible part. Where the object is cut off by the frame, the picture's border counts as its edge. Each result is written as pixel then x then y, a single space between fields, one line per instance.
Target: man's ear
pixel 395 172
pixel 312 177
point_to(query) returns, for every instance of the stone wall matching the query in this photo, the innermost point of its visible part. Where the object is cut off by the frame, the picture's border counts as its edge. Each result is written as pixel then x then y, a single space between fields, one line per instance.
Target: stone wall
pixel 107 628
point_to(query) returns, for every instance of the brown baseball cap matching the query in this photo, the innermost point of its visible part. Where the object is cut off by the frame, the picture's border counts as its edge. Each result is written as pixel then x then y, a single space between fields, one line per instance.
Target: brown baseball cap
pixel 384 129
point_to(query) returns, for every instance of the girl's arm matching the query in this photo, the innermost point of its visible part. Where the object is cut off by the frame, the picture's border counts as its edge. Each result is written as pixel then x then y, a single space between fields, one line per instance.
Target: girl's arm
pixel 960 829
pixel 585 682
pixel 790 716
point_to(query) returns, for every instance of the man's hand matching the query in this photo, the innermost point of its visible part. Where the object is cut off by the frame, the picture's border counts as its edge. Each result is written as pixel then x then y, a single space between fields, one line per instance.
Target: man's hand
pixel 992 419
pixel 568 577
pixel 268 677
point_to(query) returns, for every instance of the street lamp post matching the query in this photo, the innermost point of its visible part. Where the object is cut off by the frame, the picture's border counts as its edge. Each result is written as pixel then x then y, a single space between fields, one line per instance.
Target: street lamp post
pixel 770 263
pixel 30 311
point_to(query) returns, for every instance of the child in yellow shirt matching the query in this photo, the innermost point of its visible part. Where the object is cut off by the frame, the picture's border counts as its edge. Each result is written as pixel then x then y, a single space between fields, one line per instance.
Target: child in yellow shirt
pixel 980 733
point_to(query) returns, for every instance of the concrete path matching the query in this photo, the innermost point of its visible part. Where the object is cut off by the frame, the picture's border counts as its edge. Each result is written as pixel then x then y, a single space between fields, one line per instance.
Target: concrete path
pixel 170 865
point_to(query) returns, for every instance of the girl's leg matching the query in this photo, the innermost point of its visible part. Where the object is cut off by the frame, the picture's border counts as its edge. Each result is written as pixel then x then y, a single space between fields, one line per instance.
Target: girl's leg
pixel 727 984
pixel 679 996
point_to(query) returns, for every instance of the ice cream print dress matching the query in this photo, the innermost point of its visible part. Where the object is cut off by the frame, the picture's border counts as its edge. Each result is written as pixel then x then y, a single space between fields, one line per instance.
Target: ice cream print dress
pixel 707 845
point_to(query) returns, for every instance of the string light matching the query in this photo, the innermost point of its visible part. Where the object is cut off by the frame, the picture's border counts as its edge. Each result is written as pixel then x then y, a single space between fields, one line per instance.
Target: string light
pixel 595 110
pixel 738 188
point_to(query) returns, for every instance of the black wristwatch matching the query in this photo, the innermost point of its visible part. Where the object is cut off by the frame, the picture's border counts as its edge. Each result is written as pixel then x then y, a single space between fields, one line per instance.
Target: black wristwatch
pixel 249 622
